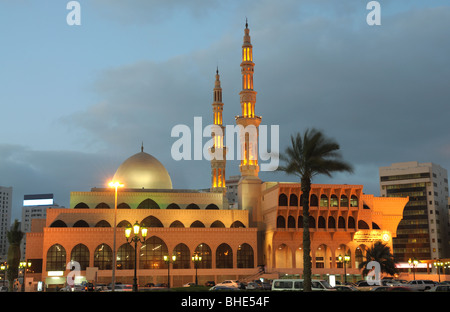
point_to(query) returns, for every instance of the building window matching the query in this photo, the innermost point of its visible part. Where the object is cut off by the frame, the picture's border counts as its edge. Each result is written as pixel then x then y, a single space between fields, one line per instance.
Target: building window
pixel 125 257
pixel 183 260
pixel 204 251
pixel 152 254
pixel 224 257
pixel 245 256
pixel 80 253
pixel 56 258
pixel 103 257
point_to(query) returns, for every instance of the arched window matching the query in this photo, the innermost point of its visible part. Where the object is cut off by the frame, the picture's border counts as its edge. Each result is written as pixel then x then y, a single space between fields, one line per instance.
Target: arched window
pixel 301 200
pixel 321 222
pixel 341 223
pixel 353 201
pixel 81 206
pixel 80 223
pixel 245 256
pixel 56 258
pixel 173 206
pixel 293 200
pixel 103 257
pixel 183 254
pixel 237 224
pixel 224 257
pixel 148 204
pixel 291 222
pixel 212 206
pixel 344 201
pixel 151 221
pixel 362 225
pixel 300 222
pixel 192 206
pixel 176 224
pixel 124 224
pixel 281 222
pixel 152 254
pixel 312 222
pixel 313 201
pixel 323 200
pixel 123 206
pixel 375 226
pixel 58 224
pixel 102 206
pixel 334 202
pixel 282 200
pixel 80 253
pixel 204 251
pixel 103 223
pixel 197 224
pixel 351 223
pixel 125 257
pixel 217 224
pixel 331 222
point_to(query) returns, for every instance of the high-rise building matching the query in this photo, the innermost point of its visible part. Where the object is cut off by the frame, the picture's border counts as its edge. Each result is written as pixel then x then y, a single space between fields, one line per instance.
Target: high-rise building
pixel 5 218
pixel 422 233
pixel 34 207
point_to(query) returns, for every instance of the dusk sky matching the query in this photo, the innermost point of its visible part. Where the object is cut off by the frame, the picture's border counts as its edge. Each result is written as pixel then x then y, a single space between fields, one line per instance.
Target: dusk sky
pixel 76 101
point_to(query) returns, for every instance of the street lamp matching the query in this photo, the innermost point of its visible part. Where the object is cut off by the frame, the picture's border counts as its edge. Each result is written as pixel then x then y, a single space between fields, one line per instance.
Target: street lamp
pixel 344 259
pixel 135 229
pixel 168 262
pixel 196 259
pixel 115 185
pixel 3 268
pixel 23 265
pixel 438 264
pixel 413 262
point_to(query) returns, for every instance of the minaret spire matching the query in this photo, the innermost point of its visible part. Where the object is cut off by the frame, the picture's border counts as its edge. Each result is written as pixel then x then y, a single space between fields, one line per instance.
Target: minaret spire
pixel 218 150
pixel 250 122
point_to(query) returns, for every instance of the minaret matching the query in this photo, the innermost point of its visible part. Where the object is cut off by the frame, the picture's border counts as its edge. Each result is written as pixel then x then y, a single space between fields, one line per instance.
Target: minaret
pixel 218 150
pixel 248 120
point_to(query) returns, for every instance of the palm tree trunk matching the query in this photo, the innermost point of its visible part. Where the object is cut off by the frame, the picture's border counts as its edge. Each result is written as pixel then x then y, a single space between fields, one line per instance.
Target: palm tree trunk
pixel 306 189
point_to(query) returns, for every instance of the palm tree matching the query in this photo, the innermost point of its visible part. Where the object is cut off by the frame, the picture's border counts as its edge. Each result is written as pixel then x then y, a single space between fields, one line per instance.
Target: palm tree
pixel 14 236
pixel 382 254
pixel 307 157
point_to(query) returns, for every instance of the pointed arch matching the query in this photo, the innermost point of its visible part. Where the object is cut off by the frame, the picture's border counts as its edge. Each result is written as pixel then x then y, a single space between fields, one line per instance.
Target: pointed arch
pixel 81 206
pixel 102 206
pixel 217 224
pixel 80 253
pixel 197 224
pixel 224 257
pixel 183 260
pixel 103 257
pixel 204 251
pixel 151 221
pixel 148 204
pixel 80 223
pixel 102 223
pixel 56 258
pixel 152 254
pixel 245 257
pixel 177 224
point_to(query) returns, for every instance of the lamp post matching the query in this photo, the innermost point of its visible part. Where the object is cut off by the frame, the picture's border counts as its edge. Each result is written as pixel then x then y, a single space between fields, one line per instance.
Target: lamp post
pixel 168 262
pixel 438 264
pixel 344 259
pixel 136 229
pixel 115 185
pixel 196 259
pixel 24 265
pixel 413 263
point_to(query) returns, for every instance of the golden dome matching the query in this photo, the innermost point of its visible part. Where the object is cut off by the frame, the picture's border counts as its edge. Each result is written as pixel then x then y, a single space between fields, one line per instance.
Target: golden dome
pixel 142 170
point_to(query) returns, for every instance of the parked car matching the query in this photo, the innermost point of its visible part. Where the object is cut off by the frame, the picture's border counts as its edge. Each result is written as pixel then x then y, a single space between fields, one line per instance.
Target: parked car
pixel 297 285
pixel 223 288
pixel 74 288
pixel 229 283
pixel 123 287
pixel 440 288
pixel 421 284
pixel 345 288
pixel 89 287
pixel 253 285
pixel 391 288
pixel 266 286
pixel 189 284
pixel 3 288
pixel 210 283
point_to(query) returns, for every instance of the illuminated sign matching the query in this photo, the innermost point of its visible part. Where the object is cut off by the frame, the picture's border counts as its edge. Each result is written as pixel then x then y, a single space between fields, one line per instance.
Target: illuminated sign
pixel 38 200
pixel 371 236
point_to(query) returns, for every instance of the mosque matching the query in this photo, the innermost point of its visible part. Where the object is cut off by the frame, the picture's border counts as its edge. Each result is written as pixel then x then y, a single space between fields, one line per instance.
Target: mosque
pixel 260 238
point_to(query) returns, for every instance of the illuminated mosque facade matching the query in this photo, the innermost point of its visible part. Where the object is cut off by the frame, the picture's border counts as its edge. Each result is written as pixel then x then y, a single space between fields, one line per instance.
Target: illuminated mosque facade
pixel 262 238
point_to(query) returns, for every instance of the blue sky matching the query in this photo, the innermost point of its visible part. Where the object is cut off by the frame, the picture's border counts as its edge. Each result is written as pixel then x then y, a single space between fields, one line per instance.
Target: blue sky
pixel 76 101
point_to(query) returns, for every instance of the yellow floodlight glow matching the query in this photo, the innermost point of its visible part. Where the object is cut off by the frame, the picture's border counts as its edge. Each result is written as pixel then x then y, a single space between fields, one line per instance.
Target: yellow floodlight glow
pixel 115 184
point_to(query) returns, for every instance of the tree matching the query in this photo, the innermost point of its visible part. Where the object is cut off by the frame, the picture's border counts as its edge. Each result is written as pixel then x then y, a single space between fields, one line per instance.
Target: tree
pixel 382 254
pixel 14 236
pixel 308 156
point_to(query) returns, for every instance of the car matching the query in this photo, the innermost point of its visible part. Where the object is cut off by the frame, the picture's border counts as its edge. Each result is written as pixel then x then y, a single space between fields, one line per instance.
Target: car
pixel 223 288
pixel 391 288
pixel 440 288
pixel 189 284
pixel 345 288
pixel 266 286
pixel 74 288
pixel 229 283
pixel 210 283
pixel 253 285
pixel 89 287
pixel 297 285
pixel 123 287
pixel 421 284
pixel 3 289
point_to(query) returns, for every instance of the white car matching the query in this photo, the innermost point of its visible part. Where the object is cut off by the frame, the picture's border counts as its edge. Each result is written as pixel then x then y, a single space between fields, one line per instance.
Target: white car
pixel 421 284
pixel 440 288
pixel 229 283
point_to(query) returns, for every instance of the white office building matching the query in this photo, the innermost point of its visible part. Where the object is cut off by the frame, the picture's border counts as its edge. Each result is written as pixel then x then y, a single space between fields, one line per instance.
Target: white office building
pixel 5 219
